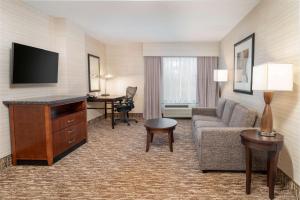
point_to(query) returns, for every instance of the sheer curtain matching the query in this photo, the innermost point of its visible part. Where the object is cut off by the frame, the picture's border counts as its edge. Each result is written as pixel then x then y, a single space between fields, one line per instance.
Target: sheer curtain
pixel 179 79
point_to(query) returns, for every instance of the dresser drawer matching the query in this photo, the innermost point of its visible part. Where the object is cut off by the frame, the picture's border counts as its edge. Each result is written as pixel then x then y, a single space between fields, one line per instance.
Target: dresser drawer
pixel 68 120
pixel 68 137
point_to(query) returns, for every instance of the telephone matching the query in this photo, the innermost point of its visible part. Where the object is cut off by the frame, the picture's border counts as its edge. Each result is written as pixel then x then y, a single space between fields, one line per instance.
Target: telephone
pixel 92 95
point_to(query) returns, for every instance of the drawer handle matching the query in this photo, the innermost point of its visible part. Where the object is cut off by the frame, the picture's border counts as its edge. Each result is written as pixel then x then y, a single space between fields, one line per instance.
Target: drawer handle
pixel 70 121
pixel 70 131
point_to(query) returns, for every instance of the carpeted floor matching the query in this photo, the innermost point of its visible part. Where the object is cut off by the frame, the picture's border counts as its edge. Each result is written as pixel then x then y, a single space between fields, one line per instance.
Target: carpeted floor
pixel 114 165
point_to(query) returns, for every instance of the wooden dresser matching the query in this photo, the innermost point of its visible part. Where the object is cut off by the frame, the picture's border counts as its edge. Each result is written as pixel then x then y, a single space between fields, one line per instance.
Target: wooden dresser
pixel 43 129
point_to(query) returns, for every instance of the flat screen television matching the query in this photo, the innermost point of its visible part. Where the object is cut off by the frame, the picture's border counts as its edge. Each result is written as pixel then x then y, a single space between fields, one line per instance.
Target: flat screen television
pixel 33 65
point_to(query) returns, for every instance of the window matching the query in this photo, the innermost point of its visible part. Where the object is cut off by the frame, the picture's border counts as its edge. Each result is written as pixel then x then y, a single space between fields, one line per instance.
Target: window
pixel 179 80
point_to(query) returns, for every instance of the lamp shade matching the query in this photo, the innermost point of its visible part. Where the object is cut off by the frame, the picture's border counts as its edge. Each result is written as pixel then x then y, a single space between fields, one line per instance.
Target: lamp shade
pixel 273 77
pixel 220 75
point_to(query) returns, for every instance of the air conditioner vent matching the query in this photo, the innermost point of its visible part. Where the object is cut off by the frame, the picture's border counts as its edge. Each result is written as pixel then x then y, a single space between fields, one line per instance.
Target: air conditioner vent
pixel 176 106
pixel 177 110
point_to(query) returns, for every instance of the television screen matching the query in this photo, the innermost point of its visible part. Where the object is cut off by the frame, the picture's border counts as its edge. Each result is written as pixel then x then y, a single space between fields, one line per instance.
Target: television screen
pixel 33 65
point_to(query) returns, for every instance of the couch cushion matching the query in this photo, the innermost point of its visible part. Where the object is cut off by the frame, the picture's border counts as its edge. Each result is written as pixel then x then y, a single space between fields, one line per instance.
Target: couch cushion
pixel 228 108
pixel 242 117
pixel 205 118
pixel 200 124
pixel 220 107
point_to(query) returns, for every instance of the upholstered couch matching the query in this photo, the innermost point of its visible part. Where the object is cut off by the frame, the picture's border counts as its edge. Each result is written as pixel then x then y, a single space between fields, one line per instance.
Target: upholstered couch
pixel 216 134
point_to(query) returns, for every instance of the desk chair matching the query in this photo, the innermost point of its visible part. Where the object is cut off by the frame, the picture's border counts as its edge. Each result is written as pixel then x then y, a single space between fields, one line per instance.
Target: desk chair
pixel 126 105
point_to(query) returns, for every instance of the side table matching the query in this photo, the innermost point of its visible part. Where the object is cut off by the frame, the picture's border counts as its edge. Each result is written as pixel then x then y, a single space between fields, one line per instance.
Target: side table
pixel 252 140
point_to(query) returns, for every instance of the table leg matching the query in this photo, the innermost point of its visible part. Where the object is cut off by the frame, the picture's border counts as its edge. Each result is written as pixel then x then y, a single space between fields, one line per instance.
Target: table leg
pixel 248 169
pixel 170 140
pixel 148 139
pixel 112 115
pixel 272 172
pixel 152 134
pixel 105 109
pixel 172 133
pixel 268 170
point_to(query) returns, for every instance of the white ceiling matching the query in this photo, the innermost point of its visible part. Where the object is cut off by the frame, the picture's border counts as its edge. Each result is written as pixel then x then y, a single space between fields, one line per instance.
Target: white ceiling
pixel 151 21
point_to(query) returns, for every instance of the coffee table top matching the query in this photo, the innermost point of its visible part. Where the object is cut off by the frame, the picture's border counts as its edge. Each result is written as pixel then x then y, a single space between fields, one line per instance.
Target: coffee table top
pixel 160 123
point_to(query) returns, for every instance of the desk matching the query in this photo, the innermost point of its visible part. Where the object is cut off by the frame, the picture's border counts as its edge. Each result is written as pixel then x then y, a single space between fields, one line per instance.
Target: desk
pixel 107 99
pixel 272 145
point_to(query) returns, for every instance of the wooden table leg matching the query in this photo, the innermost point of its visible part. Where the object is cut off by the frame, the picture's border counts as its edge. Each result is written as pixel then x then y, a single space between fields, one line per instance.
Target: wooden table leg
pixel 268 170
pixel 172 133
pixel 272 172
pixel 105 109
pixel 112 115
pixel 248 170
pixel 152 134
pixel 148 139
pixel 170 140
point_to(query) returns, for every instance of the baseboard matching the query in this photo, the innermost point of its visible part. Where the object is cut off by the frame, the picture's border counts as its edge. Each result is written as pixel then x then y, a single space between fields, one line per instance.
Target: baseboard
pixel 288 183
pixel 5 162
pixel 131 115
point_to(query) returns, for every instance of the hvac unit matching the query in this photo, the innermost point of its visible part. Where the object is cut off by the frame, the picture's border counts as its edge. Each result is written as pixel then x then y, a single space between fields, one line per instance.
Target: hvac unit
pixel 177 111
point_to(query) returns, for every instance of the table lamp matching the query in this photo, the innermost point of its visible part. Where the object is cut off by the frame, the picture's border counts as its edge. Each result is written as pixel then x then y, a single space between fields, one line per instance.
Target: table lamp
pixel 220 75
pixel 106 77
pixel 271 77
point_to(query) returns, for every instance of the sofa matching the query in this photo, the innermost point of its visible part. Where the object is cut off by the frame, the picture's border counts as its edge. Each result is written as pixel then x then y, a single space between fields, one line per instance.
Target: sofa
pixel 216 134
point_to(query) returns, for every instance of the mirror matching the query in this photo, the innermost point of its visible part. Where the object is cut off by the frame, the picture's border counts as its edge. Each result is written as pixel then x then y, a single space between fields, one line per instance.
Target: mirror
pixel 94 73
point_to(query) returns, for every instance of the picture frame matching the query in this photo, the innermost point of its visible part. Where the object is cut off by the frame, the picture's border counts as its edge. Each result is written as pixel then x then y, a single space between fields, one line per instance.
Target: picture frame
pixel 94 73
pixel 243 65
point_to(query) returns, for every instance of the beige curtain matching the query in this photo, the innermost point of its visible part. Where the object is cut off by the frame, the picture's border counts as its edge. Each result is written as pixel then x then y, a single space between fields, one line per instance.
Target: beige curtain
pixel 152 107
pixel 206 87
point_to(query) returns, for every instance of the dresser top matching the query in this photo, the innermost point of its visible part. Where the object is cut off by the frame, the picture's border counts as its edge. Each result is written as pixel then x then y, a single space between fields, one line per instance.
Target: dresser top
pixel 47 100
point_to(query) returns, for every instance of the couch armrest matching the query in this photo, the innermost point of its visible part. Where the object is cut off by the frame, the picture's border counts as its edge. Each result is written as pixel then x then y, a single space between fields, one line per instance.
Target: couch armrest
pixel 204 111
pixel 225 136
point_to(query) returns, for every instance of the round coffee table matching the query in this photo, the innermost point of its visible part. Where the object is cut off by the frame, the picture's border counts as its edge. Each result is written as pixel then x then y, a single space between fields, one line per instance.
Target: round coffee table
pixel 160 125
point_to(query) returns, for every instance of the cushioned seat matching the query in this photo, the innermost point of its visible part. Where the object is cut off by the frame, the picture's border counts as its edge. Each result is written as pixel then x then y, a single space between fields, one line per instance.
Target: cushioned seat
pixel 216 133
pixel 200 124
pixel 242 117
pixel 205 118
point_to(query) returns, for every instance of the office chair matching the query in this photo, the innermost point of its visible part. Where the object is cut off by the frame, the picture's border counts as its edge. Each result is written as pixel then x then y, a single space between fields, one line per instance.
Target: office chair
pixel 126 105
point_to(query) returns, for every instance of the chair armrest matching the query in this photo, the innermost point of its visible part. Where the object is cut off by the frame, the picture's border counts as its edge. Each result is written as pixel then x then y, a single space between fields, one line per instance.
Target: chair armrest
pixel 204 111
pixel 225 136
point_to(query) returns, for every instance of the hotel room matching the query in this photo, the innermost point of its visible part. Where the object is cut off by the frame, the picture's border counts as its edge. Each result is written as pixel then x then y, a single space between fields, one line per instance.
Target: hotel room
pixel 149 99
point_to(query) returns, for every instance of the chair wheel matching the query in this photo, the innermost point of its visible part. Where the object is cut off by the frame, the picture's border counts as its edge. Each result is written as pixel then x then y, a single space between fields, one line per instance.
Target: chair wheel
pixel 128 124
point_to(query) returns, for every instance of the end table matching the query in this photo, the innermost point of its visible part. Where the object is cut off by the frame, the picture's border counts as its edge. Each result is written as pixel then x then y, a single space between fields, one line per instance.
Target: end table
pixel 252 140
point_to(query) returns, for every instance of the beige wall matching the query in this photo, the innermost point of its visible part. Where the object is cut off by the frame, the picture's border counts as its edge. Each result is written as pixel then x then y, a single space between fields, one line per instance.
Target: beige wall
pixel 277 39
pixel 125 62
pixel 23 24
pixel 181 49
pixel 96 48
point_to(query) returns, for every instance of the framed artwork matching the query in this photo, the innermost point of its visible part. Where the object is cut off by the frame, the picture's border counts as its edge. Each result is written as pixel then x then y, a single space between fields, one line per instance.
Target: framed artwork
pixel 94 73
pixel 243 65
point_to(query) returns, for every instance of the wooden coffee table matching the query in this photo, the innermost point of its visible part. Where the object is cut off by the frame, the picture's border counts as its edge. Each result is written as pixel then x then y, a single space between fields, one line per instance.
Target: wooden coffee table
pixel 160 125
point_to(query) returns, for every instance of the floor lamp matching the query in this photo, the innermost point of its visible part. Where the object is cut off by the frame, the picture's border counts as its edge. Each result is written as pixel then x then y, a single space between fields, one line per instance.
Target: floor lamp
pixel 271 77
pixel 106 77
pixel 220 75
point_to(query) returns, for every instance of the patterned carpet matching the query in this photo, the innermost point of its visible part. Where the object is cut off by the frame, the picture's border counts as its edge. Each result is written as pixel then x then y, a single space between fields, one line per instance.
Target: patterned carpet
pixel 114 165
